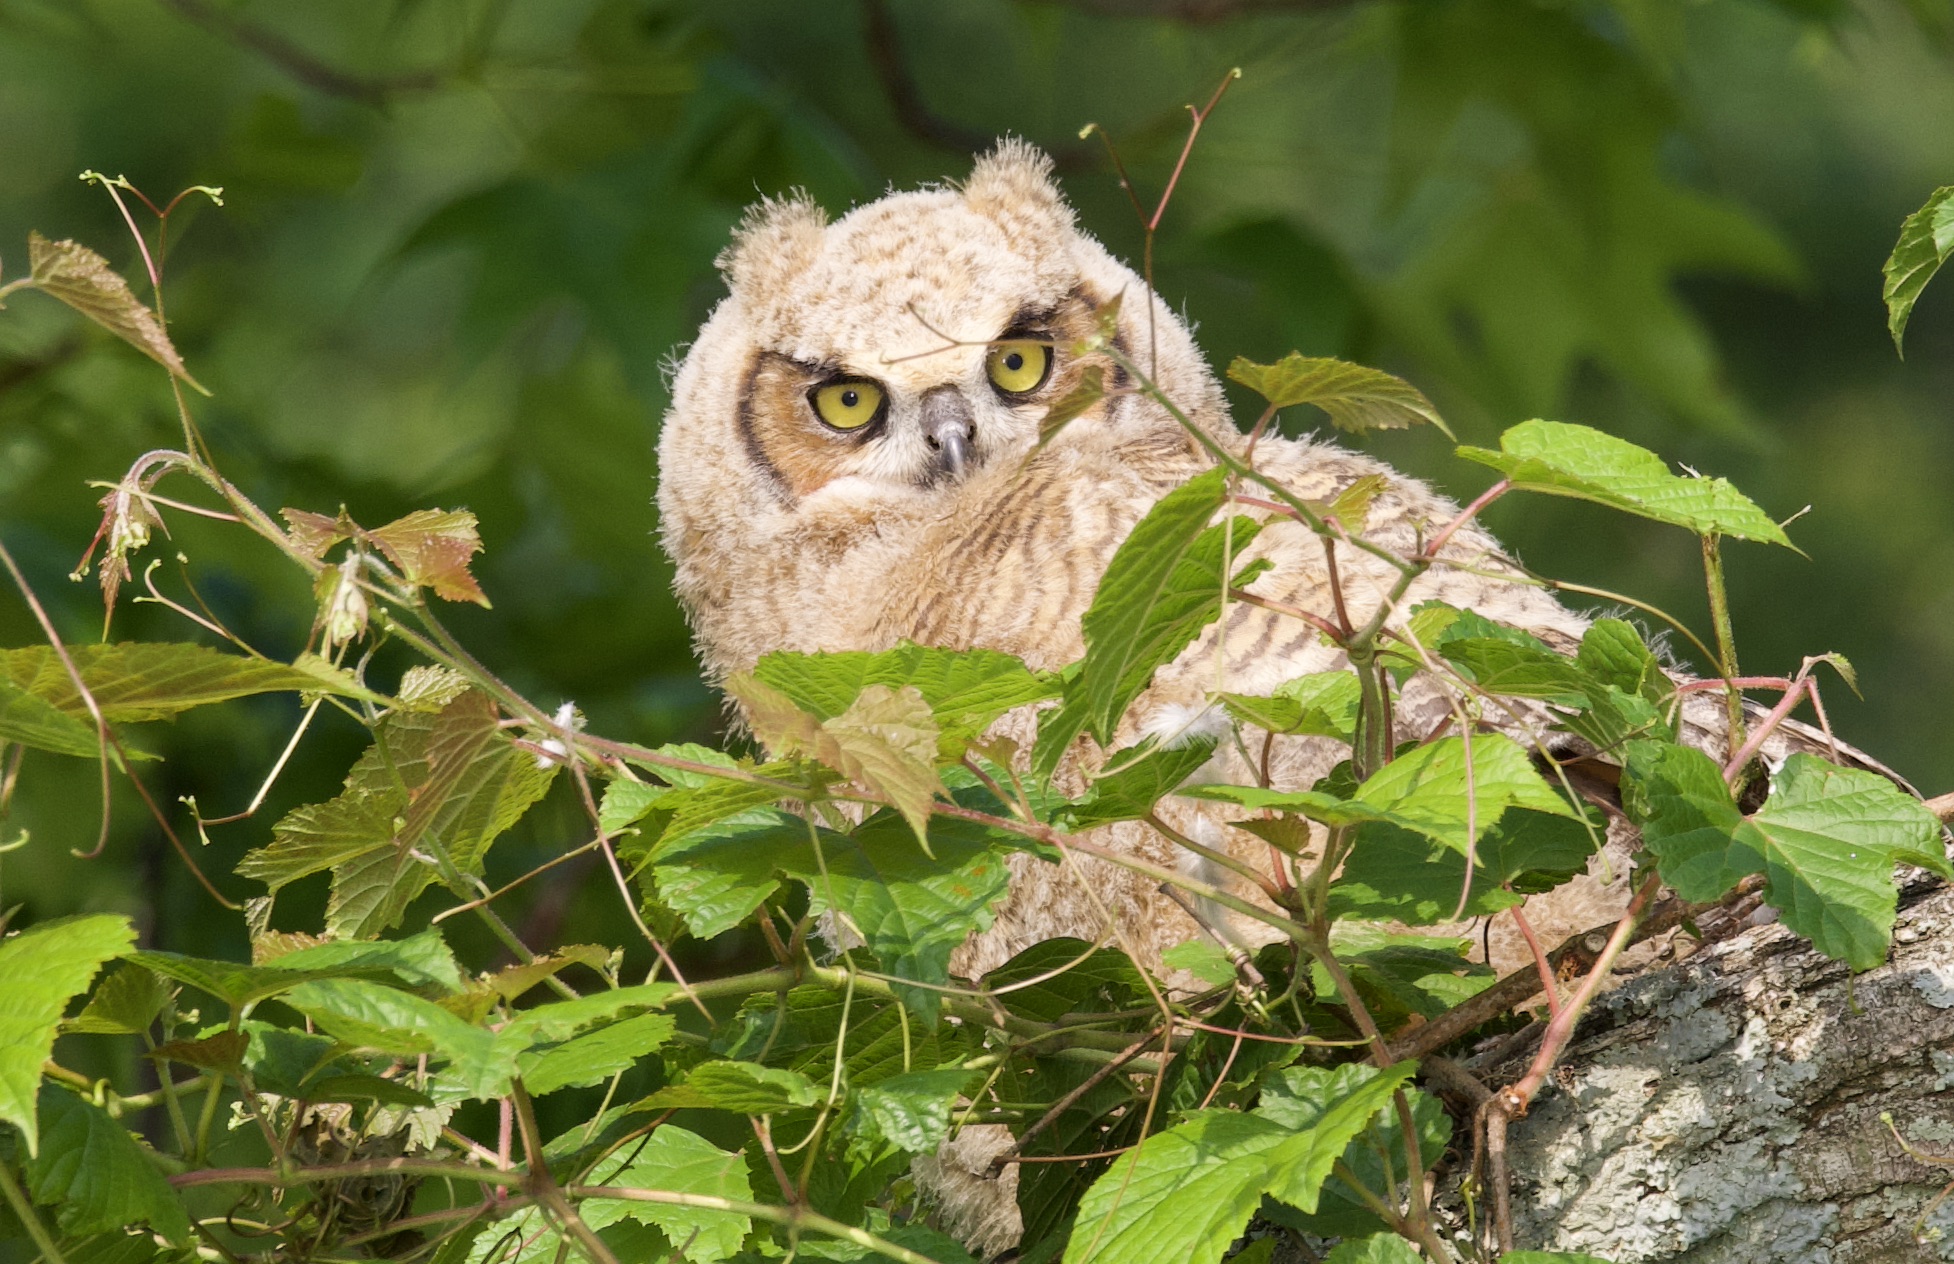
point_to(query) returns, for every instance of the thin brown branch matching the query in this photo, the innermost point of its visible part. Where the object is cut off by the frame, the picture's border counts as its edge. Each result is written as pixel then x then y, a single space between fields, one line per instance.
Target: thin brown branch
pixel 1066 1102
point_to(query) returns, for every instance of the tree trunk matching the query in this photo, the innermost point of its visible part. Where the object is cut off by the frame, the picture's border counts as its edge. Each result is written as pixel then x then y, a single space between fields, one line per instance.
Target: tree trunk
pixel 1727 1109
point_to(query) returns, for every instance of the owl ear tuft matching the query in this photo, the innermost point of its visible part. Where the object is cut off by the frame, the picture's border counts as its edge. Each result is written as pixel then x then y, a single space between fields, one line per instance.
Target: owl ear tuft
pixel 775 241
pixel 1013 185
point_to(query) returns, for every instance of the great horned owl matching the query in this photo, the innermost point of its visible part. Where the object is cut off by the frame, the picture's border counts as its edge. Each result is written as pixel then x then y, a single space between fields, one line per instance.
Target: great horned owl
pixel 851 460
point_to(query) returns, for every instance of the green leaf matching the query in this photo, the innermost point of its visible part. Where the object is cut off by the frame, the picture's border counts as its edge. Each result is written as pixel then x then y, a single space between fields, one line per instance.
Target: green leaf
pixel 1138 784
pixel 133 681
pixel 1379 1248
pixel 1161 588
pixel 679 1162
pixel 1057 976
pixel 715 877
pixel 369 1015
pixel 1394 874
pixel 1297 1097
pixel 77 276
pixel 33 721
pixel 885 740
pixel 627 802
pixel 1186 1193
pixel 1567 460
pixel 910 1111
pixel 1321 704
pixel 745 1087
pixel 46 966
pixel 1830 837
pixel 1926 239
pixel 1550 1257
pixel 96 1175
pixel 595 1057
pixel 1678 797
pixel 1357 399
pixel 1399 974
pixel 1500 666
pixel 126 1003
pixel 965 689
pixel 421 960
pixel 424 801
pixel 1427 788
pixel 1613 652
pixel 1202 959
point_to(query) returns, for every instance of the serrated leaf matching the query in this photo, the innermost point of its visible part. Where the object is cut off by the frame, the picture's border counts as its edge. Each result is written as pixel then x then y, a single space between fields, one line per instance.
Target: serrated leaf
pixel 715 876
pixel 360 1087
pixel 445 787
pixel 1057 976
pixel 887 742
pixel 595 1056
pixel 1185 1194
pixel 910 1111
pixel 1203 959
pixel 1379 1248
pixel 96 1175
pixel 1321 704
pixel 1926 239
pixel 1613 652
pixel 1394 874
pixel 627 802
pixel 965 689
pixel 1500 666
pixel 33 721
pixel 1352 505
pixel 421 960
pixel 234 983
pixel 1550 1257
pixel 1139 783
pixel 1568 460
pixel 1678 797
pixel 1080 399
pixel 46 966
pixel 1357 399
pixel 1297 1097
pixel 745 1087
pixel 1161 588
pixel 432 548
pixel 77 276
pixel 224 1050
pixel 313 534
pixel 683 1162
pixel 150 680
pixel 1830 837
pixel 127 1002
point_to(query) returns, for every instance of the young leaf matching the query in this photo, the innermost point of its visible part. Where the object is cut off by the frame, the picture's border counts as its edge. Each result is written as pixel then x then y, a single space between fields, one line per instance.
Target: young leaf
pixel 444 787
pixel 45 967
pixel 1926 239
pixel 1161 588
pixel 82 279
pixel 1186 1193
pixel 965 689
pixel 1678 797
pixel 431 548
pixel 1202 959
pixel 885 740
pixel 1356 398
pixel 1567 460
pixel 222 1051
pixel 421 960
pixel 679 1162
pixel 626 802
pixel 97 1175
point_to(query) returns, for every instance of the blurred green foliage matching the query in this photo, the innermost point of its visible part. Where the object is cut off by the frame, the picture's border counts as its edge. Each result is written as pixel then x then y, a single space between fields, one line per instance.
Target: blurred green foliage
pixel 462 239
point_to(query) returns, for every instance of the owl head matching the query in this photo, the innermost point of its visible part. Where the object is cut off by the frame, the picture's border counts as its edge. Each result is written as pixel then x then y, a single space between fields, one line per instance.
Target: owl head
pixel 893 366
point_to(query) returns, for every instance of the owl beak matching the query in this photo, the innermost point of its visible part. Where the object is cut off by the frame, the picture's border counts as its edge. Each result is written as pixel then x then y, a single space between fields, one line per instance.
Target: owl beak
pixel 948 426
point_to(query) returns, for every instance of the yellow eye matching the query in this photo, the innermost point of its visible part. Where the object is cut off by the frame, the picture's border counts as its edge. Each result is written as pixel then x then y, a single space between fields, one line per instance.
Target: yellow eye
pixel 848 405
pixel 1018 368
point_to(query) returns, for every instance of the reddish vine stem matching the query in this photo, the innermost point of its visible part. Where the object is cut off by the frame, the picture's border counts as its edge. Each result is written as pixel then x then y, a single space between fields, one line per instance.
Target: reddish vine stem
pixel 1539 961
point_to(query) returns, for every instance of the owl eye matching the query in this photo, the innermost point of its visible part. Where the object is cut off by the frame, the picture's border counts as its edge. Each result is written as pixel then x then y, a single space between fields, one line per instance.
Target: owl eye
pixel 1018 368
pixel 847 405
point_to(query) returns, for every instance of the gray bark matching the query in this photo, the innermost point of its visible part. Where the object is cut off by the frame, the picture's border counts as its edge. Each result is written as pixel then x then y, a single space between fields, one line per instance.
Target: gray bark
pixel 1726 1110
